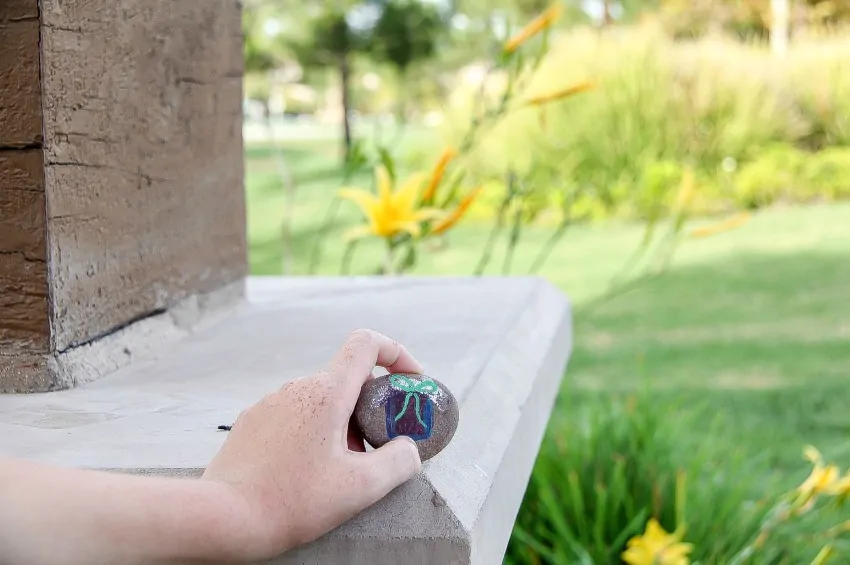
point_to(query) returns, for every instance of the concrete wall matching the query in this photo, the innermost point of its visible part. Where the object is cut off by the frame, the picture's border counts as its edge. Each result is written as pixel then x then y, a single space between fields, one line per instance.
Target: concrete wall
pixel 121 170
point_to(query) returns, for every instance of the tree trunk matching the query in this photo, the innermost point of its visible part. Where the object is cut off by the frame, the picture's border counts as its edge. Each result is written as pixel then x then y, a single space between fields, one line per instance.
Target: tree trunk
pixel 606 13
pixel 345 78
pixel 401 101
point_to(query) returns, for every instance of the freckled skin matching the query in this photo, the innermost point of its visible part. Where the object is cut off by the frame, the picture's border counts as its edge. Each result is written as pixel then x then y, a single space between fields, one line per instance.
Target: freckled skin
pixel 292 468
pixel 309 421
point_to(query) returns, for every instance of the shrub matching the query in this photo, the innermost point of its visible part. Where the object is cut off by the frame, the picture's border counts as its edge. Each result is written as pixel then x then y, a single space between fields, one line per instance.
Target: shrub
pixel 827 173
pixel 819 75
pixel 774 175
pixel 749 125
pixel 786 174
pixel 610 464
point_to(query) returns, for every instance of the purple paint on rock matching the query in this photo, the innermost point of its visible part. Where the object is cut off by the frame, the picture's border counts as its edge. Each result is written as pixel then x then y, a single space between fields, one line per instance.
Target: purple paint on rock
pixel 403 416
pixel 371 414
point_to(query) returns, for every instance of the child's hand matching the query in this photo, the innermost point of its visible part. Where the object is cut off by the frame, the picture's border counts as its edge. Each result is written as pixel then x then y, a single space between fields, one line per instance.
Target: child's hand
pixel 294 465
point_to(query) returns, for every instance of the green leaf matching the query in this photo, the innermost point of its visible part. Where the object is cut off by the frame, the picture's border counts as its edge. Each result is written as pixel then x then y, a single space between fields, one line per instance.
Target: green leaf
pixel 388 161
pixel 532 542
pixel 347 256
pixel 634 527
pixel 409 260
pixel 454 188
pixel 602 515
pixel 576 503
pixel 327 226
pixel 355 161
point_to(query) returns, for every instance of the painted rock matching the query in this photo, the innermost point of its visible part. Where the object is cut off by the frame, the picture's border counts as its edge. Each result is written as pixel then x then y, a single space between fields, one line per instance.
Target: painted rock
pixel 406 404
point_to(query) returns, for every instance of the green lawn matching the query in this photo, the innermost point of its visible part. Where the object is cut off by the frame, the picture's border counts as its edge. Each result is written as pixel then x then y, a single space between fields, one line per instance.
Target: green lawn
pixel 752 324
pixel 756 319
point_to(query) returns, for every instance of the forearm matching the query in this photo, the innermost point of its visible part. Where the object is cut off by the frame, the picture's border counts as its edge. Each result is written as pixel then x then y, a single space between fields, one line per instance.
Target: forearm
pixel 51 515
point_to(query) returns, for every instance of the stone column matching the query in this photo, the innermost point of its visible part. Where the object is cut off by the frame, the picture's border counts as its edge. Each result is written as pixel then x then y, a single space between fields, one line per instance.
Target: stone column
pixel 121 180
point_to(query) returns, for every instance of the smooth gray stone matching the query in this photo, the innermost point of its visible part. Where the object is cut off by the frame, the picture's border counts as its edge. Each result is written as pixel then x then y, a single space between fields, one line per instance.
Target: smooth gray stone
pixel 416 406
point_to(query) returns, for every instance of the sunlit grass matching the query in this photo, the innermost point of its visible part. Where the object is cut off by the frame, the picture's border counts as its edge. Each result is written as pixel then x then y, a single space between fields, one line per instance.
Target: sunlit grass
pixel 746 336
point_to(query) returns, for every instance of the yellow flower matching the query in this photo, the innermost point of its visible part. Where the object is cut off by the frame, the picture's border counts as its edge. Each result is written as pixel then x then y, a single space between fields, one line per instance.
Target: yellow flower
pixel 561 94
pixel 723 226
pixel 656 547
pixel 535 26
pixel 811 454
pixel 454 217
pixel 437 174
pixel 837 486
pixel 841 487
pixel 822 479
pixel 390 213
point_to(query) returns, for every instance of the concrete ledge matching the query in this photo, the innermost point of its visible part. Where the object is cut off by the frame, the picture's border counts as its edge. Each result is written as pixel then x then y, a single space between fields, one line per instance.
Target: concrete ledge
pixel 500 344
pixel 140 340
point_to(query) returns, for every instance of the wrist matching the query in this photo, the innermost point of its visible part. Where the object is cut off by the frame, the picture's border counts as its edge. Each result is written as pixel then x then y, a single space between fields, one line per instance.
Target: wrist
pixel 228 525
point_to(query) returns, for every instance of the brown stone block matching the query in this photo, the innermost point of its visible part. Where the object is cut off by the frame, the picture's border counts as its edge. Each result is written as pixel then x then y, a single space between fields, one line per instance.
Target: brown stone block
pixel 20 103
pixel 23 301
pixel 133 201
pixel 18 10
pixel 143 145
pixel 125 244
pixel 22 204
pixel 24 323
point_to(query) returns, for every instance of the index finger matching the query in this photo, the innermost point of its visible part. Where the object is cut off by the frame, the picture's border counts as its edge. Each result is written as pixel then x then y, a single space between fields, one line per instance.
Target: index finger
pixel 366 349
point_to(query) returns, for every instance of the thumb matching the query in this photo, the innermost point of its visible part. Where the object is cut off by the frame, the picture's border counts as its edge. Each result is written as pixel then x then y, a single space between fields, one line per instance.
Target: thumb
pixel 388 467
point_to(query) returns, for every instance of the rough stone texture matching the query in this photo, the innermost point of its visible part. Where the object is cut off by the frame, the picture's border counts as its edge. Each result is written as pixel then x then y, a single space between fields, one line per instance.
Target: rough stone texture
pixel 436 408
pixel 502 354
pixel 24 322
pixel 132 202
pixel 20 95
pixel 143 150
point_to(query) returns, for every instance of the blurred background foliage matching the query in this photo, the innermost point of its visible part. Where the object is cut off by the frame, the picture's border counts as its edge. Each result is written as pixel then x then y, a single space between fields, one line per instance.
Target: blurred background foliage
pixel 702 144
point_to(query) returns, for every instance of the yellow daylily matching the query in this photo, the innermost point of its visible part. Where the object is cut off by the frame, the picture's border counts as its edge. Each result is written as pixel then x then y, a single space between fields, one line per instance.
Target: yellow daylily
pixel 841 487
pixel 656 547
pixel 535 26
pixel 437 174
pixel 821 480
pixel 561 93
pixel 723 226
pixel 447 222
pixel 811 454
pixel 391 212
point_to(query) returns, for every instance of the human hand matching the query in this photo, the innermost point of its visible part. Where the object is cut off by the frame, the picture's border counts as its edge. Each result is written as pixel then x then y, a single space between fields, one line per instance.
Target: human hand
pixel 293 461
